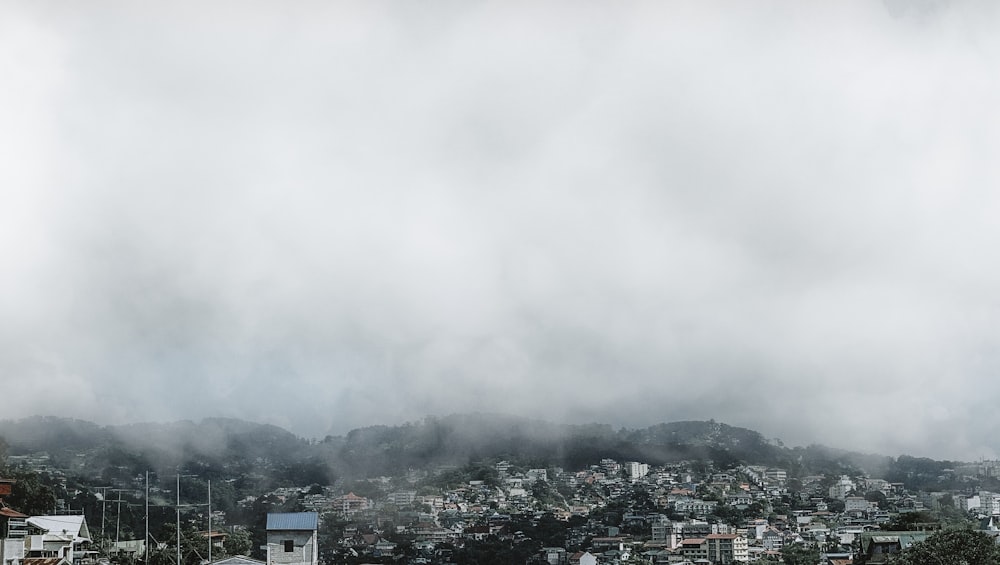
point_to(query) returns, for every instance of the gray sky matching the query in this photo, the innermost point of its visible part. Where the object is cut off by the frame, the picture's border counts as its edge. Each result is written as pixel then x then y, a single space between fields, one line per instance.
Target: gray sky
pixel 325 215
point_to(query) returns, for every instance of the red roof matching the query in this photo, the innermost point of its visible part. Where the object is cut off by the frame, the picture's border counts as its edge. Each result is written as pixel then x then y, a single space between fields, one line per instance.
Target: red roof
pixel 10 512
pixel 693 541
pixel 43 560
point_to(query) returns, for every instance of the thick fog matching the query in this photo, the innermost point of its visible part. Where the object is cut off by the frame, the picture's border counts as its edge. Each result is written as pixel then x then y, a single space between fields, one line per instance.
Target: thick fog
pixel 326 215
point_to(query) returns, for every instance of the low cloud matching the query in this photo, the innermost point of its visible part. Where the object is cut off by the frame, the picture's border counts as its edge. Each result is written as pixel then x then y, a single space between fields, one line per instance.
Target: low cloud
pixel 329 216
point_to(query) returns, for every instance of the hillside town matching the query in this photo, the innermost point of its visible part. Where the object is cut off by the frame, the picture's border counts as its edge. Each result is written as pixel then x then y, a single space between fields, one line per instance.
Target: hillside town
pixel 612 512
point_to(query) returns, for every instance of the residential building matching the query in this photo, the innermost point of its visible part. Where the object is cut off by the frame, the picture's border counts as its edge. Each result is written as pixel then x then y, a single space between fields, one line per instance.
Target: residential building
pixel 404 498
pixel 63 536
pixel 695 506
pixel 350 503
pixel 989 503
pixel 858 504
pixel 694 549
pixel 776 475
pixel 532 475
pixel 292 538
pixel 772 539
pixel 660 526
pixel 967 503
pixel 877 547
pixel 13 529
pixel 555 555
pixel 841 488
pixel 637 470
pixel 724 549
pixel 237 560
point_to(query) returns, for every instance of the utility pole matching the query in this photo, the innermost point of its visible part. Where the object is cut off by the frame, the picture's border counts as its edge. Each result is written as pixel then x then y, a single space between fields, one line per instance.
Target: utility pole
pixel 179 475
pixel 178 519
pixel 210 521
pixel 118 521
pixel 104 504
pixel 145 542
pixel 118 515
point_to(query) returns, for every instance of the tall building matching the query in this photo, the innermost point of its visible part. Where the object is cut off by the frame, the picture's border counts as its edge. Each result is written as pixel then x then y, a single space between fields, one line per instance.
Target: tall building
pixel 637 470
pixel 725 549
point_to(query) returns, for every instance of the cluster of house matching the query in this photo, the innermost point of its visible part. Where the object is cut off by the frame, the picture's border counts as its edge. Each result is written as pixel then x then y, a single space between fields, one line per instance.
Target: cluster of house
pixel 477 510
pixel 65 539
pixel 677 513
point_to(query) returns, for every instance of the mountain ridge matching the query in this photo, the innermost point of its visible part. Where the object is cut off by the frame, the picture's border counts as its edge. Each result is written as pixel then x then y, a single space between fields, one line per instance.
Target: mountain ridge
pixel 433 441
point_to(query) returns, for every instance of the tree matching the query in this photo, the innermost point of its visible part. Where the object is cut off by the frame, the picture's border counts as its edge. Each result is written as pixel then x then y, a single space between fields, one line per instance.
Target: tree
pixel 238 542
pixel 799 554
pixel 30 495
pixel 951 547
pixel 911 521
pixel 877 497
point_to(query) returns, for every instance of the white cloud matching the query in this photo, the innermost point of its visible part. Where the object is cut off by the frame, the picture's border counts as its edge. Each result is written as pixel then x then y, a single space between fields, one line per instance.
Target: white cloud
pixel 775 216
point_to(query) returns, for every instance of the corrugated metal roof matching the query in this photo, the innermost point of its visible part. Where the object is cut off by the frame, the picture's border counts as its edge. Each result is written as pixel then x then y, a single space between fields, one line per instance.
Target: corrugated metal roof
pixel 45 561
pixel 71 524
pixel 237 560
pixel 293 521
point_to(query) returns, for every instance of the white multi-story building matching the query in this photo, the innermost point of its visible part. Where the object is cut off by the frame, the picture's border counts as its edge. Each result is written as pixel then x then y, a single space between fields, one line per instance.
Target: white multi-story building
pixel 724 549
pixel 402 498
pixel 777 475
pixel 858 504
pixel 967 503
pixel 637 470
pixel 533 475
pixel 842 488
pixel 695 506
pixel 989 503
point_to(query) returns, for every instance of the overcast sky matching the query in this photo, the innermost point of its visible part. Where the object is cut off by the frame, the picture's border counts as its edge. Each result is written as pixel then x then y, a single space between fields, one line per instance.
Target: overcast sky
pixel 325 215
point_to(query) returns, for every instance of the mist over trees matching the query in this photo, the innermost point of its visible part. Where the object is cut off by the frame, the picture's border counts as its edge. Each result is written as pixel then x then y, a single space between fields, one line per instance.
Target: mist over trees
pixel 104 470
pixel 257 457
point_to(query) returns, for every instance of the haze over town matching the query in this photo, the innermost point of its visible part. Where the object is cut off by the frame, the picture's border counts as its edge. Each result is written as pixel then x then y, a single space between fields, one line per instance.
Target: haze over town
pixel 332 215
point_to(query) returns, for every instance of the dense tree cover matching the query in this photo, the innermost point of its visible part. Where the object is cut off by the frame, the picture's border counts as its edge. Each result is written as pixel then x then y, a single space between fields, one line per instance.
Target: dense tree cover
pixel 799 554
pixel 30 494
pixel 545 495
pixel 912 521
pixel 493 551
pixel 216 447
pixel 238 542
pixel 219 447
pixel 735 516
pixel 921 473
pixel 951 547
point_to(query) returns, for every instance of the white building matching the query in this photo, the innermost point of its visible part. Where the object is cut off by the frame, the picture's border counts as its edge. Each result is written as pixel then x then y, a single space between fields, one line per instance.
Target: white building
pixel 842 488
pixel 64 536
pixel 637 470
pixel 858 504
pixel 13 529
pixel 402 498
pixel 989 503
pixel 967 503
pixel 532 475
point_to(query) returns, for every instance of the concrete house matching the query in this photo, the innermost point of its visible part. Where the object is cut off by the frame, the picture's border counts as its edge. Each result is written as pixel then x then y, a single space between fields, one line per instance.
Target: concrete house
pixel 13 530
pixel 63 536
pixel 292 538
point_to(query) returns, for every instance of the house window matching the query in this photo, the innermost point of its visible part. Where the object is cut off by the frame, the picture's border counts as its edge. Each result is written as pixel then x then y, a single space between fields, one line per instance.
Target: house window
pixel 289 545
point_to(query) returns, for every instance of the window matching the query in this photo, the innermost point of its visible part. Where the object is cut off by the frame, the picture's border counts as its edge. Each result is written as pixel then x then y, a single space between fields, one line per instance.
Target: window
pixel 289 545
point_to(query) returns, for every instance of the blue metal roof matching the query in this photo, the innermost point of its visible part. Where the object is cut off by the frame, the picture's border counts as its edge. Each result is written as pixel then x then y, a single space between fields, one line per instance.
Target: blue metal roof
pixel 293 521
